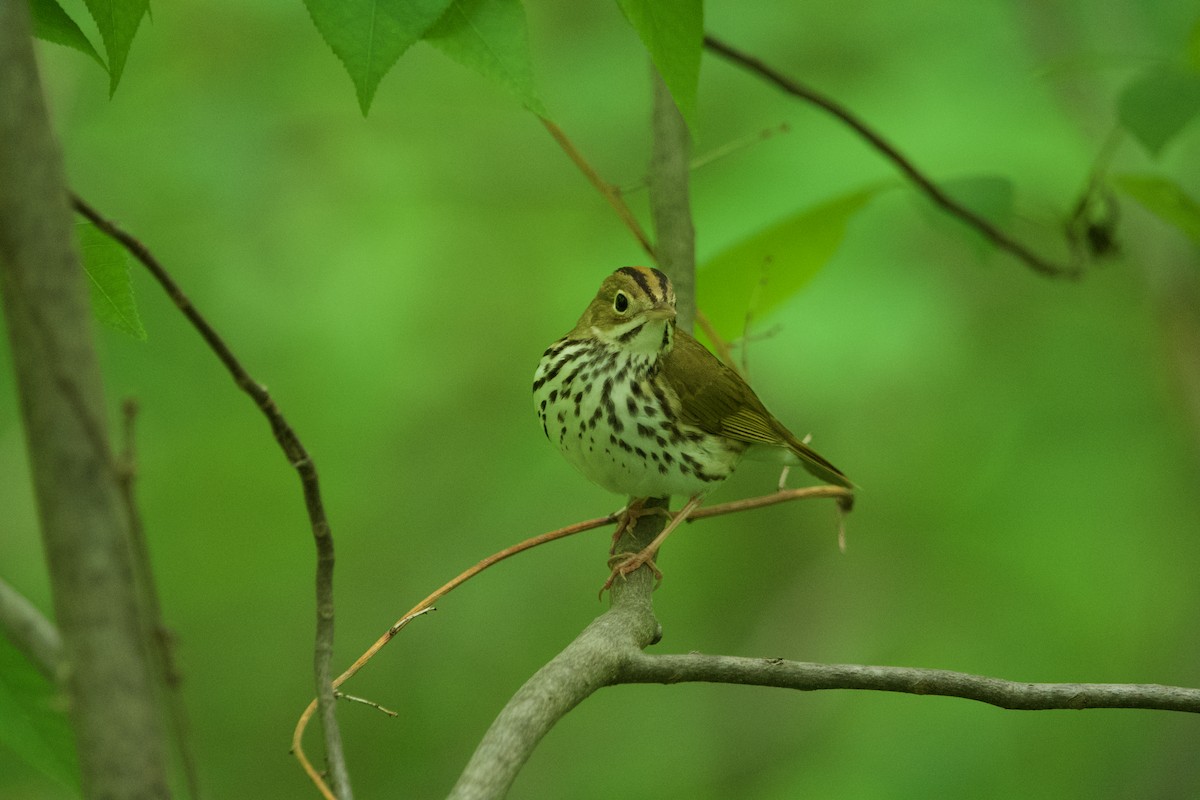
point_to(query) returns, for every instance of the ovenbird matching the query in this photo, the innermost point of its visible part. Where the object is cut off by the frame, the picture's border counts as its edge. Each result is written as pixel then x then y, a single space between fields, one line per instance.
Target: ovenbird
pixel 643 409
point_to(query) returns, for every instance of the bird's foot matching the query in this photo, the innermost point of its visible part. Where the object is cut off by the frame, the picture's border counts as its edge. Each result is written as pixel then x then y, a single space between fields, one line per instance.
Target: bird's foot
pixel 628 516
pixel 626 563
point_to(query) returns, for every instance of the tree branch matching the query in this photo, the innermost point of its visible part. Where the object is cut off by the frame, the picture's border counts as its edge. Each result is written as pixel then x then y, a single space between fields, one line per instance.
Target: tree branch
pixel 30 632
pixel 934 192
pixel 643 668
pixel 300 460
pixel 588 663
pixel 84 530
pixel 670 203
pixel 608 191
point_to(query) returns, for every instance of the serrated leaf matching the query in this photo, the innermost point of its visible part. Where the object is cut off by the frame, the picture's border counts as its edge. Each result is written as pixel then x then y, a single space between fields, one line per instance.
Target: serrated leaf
pixel 1157 105
pixel 33 725
pixel 490 37
pixel 107 266
pixel 369 36
pixel 673 33
pixel 762 271
pixel 52 24
pixel 118 22
pixel 1165 199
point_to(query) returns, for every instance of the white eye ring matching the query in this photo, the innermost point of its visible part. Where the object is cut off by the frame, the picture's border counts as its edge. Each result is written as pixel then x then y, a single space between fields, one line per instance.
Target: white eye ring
pixel 621 303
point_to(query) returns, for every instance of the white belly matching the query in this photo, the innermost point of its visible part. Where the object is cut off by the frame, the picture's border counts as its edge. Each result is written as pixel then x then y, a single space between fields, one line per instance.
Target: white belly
pixel 611 427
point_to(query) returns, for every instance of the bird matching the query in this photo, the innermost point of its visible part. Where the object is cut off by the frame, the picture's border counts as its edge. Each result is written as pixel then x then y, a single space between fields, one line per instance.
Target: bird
pixel 642 409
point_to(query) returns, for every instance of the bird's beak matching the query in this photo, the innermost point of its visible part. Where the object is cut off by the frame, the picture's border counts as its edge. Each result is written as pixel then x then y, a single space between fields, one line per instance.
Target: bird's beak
pixel 662 311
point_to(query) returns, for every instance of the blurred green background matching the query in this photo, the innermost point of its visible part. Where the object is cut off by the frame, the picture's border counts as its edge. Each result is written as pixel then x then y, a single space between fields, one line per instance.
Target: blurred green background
pixel 1028 449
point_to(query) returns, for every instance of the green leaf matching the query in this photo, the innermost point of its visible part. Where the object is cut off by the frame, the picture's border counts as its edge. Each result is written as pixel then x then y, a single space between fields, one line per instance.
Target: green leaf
pixel 118 21
pixel 33 723
pixel 1165 199
pixel 1192 48
pixel 1158 104
pixel 490 37
pixel 759 273
pixel 673 33
pixel 107 268
pixel 52 24
pixel 370 35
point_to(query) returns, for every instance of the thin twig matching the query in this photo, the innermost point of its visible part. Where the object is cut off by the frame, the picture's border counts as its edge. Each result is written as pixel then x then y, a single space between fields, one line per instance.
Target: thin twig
pixel 935 193
pixel 157 632
pixel 720 152
pixel 297 456
pixel 782 496
pixel 366 702
pixel 607 190
pixel 426 605
pixel 719 344
pixel 641 667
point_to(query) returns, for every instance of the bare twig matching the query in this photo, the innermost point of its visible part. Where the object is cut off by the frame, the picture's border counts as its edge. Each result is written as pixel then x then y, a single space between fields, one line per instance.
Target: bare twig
pixel 157 632
pixel 297 456
pixel 935 193
pixel 365 702
pixel 426 605
pixel 640 667
pixel 781 496
pixel 607 190
pixel 718 343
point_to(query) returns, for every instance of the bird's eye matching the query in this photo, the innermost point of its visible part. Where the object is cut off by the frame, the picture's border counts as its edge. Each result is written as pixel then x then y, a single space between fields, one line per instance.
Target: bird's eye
pixel 621 302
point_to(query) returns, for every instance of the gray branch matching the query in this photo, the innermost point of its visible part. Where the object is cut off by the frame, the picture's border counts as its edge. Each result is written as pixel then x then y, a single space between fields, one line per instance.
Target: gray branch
pixel 84 530
pixel 593 660
pixel 670 202
pixel 644 668
pixel 30 631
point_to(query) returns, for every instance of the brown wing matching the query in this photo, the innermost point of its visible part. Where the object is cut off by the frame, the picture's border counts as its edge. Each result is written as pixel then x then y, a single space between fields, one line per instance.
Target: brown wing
pixel 715 399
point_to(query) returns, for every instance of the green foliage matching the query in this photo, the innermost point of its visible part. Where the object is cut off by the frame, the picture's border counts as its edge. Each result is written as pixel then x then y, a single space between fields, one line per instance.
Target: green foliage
pixel 489 36
pixel 370 35
pixel 1192 50
pixel 118 22
pixel 107 268
pixel 759 273
pixel 33 725
pixel 673 32
pixel 1157 105
pixel 1164 198
pixel 53 24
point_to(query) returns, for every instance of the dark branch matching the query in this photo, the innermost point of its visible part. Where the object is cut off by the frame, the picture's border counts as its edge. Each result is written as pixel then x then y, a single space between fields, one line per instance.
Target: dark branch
pixel 998 237
pixel 643 668
pixel 297 456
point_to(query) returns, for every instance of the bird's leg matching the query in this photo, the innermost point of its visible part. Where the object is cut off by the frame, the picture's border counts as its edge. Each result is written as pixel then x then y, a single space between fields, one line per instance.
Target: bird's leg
pixel 626 563
pixel 629 515
pixel 783 477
